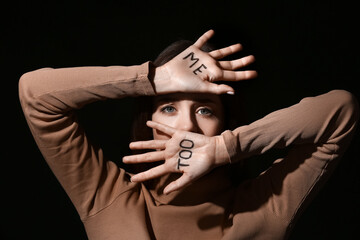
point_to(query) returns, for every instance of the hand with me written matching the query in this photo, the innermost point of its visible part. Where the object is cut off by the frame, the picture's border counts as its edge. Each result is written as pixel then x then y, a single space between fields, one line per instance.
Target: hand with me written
pixel 185 152
pixel 194 70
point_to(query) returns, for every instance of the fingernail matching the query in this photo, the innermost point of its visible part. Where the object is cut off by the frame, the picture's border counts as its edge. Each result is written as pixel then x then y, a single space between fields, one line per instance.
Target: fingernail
pixel 230 93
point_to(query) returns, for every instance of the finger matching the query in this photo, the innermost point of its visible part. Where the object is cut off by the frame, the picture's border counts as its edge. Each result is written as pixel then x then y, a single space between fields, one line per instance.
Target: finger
pixel 150 174
pixel 238 63
pixel 223 52
pixel 151 144
pixel 238 75
pixel 161 127
pixel 204 38
pixel 178 184
pixel 144 157
pixel 220 89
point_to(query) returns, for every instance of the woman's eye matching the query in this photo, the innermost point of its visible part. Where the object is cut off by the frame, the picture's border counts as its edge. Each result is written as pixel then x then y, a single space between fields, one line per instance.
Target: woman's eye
pixel 168 109
pixel 205 111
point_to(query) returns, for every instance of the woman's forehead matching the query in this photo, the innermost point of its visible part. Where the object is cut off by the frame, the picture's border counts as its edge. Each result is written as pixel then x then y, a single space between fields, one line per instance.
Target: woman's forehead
pixel 196 97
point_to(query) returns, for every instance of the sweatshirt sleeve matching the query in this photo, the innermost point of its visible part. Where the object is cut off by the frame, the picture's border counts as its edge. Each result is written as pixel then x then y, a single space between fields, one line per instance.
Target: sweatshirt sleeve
pixel 326 119
pixel 49 98
pixel 318 131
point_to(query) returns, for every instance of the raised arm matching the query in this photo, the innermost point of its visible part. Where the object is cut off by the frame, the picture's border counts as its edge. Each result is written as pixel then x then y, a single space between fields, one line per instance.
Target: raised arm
pixel 324 120
pixel 318 131
pixel 49 98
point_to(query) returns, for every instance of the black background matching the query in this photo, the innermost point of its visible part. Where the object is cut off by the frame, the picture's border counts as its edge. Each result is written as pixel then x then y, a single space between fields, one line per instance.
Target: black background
pixel 302 48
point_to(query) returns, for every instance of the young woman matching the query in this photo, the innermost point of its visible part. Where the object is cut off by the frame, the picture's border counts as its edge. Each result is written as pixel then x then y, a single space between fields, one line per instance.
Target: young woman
pixel 195 195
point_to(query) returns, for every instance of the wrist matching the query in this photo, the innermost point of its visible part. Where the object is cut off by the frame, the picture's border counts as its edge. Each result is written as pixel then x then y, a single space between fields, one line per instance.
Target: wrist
pixel 160 78
pixel 221 153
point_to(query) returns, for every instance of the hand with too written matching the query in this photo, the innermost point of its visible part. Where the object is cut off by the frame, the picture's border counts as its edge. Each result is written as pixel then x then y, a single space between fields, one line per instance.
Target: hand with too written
pixel 189 153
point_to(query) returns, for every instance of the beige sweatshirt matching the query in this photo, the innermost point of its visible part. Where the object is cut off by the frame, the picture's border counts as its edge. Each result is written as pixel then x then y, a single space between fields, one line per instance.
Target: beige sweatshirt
pixel 318 130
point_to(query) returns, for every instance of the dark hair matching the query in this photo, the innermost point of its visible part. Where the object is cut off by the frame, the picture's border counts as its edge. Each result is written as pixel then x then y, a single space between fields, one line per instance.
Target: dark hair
pixel 140 132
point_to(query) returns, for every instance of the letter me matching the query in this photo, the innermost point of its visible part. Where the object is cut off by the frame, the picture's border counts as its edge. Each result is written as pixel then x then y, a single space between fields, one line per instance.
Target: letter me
pixel 192 58
pixel 195 60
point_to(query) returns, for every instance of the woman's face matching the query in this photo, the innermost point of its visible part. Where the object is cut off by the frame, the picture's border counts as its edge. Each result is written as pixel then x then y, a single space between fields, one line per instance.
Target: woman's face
pixel 193 112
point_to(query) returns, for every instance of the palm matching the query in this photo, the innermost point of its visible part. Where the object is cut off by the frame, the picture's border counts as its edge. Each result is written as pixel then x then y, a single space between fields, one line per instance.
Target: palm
pixel 196 71
pixel 189 153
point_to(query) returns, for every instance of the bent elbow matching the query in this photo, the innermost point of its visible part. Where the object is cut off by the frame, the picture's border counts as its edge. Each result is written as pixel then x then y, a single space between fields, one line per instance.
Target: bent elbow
pixel 347 116
pixel 25 90
pixel 30 86
pixel 348 104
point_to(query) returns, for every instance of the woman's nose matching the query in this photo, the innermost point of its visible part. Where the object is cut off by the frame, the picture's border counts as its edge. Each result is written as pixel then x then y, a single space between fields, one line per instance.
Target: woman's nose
pixel 188 122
